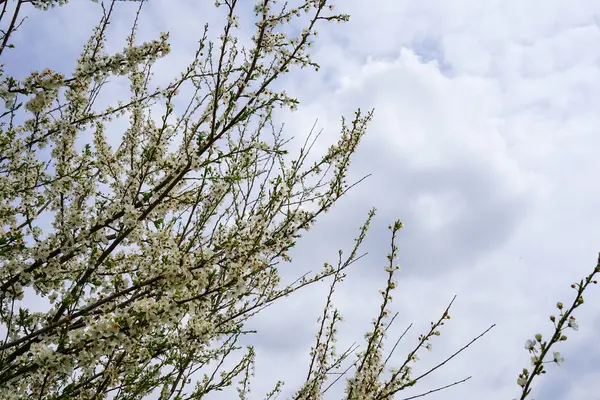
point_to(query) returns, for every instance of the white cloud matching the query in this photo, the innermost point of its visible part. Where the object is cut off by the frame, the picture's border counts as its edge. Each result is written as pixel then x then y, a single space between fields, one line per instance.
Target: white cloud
pixel 495 105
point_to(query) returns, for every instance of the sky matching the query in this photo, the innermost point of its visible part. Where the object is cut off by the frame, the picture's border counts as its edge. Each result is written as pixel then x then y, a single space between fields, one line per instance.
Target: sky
pixel 484 143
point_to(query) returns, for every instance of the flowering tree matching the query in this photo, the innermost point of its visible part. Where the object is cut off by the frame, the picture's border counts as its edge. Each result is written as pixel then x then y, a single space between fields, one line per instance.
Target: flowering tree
pixel 152 254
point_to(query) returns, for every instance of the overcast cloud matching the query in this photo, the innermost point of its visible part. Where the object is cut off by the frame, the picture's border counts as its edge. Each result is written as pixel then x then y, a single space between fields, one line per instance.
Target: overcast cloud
pixel 485 143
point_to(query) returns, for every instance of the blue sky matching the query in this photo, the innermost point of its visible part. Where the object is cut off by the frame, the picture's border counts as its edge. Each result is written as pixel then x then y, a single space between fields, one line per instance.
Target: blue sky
pixel 484 143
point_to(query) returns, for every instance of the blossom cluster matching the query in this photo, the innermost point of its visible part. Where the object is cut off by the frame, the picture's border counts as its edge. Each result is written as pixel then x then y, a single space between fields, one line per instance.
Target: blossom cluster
pixel 540 348
pixel 151 254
